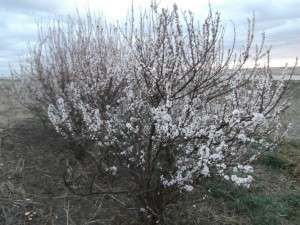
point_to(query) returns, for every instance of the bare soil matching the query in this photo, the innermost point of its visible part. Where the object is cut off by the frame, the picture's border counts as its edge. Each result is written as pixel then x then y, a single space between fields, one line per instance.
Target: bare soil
pixel 33 160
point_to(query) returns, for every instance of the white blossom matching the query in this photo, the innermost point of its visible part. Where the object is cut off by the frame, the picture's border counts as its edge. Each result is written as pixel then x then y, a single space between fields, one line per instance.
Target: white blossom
pixel 242 181
pixel 258 118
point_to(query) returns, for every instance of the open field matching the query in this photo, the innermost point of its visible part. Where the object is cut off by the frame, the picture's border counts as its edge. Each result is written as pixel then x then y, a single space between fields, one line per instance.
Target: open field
pixel 33 159
pixel 278 70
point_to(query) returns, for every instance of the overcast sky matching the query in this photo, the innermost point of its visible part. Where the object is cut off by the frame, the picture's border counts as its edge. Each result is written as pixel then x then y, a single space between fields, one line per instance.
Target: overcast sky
pixel 279 19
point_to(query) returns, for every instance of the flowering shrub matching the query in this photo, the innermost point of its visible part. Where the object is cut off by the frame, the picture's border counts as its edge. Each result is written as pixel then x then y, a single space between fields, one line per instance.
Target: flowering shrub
pixel 162 103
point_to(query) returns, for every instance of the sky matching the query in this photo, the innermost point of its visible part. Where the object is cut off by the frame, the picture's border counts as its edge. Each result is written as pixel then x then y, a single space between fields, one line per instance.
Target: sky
pixel 279 19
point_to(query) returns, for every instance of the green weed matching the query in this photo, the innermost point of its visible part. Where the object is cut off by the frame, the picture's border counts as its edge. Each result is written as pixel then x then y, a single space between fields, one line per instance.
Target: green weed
pixel 261 208
pixel 274 161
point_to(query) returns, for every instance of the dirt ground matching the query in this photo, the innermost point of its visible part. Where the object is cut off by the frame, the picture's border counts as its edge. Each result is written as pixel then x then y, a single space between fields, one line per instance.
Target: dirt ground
pixel 33 160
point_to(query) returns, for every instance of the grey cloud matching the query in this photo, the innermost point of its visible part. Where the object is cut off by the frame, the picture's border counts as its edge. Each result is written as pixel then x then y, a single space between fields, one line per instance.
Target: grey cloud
pixel 279 19
pixel 267 14
pixel 273 10
pixel 18 27
pixel 32 5
pixel 16 30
